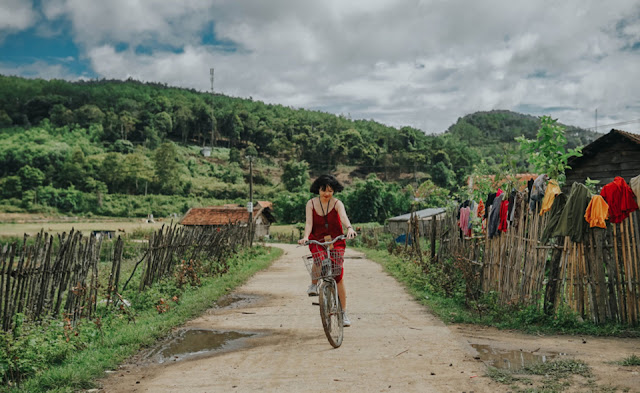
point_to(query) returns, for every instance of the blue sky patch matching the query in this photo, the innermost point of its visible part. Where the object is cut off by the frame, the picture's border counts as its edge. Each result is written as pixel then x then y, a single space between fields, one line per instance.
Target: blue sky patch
pixel 209 38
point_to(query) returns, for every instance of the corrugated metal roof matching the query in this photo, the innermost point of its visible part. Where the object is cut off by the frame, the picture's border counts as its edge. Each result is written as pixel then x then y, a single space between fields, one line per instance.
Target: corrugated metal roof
pixel 434 211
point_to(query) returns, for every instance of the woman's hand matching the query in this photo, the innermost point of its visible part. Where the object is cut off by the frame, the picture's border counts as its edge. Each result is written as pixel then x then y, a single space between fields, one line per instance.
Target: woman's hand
pixel 351 233
pixel 303 241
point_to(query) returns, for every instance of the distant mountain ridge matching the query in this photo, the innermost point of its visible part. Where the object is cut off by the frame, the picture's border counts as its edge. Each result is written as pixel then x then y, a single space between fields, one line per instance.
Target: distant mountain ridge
pixel 503 126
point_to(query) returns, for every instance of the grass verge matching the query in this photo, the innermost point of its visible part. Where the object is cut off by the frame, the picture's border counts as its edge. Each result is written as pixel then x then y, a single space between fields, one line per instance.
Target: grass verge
pixel 453 308
pixel 118 338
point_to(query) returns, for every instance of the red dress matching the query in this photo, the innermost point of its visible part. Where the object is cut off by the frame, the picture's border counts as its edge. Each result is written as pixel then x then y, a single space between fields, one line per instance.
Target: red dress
pixel 331 225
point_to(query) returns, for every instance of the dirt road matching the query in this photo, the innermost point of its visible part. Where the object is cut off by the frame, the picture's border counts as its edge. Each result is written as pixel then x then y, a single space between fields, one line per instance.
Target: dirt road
pixel 393 345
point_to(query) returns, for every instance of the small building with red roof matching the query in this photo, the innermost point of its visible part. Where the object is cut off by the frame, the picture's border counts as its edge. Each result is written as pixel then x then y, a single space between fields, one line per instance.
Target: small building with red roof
pixel 232 214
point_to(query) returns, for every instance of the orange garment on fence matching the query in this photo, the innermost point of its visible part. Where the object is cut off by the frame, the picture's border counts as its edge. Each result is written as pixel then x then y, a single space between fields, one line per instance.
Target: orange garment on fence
pixel 481 209
pixel 553 189
pixel 597 212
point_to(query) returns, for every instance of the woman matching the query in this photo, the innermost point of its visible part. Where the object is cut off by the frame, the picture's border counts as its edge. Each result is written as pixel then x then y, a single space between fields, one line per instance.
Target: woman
pixel 325 216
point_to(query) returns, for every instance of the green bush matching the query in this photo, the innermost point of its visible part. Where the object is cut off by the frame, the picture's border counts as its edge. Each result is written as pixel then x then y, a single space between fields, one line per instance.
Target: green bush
pixel 29 348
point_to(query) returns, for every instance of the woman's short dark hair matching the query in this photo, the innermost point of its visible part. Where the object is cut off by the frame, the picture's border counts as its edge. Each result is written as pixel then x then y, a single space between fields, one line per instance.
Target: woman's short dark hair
pixel 323 181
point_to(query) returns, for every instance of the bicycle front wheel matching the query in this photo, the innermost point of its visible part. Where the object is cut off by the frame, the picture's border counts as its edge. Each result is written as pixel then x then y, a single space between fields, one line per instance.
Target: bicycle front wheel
pixel 331 313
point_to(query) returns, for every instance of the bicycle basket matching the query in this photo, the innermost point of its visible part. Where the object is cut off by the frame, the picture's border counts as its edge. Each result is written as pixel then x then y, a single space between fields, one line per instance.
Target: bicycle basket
pixel 320 267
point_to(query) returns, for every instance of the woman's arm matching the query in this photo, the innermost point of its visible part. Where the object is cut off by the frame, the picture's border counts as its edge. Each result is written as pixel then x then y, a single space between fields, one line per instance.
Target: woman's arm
pixel 308 226
pixel 351 233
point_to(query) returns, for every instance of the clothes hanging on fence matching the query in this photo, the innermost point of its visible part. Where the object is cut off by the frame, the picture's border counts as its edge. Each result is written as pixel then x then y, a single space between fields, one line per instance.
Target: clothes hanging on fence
pixel 537 192
pixel 571 222
pixel 474 211
pixel 516 210
pixel 490 198
pixel 554 216
pixel 597 212
pixel 494 216
pixel 512 205
pixel 464 221
pixel 620 198
pixel 552 190
pixel 635 187
pixel 504 212
pixel 481 209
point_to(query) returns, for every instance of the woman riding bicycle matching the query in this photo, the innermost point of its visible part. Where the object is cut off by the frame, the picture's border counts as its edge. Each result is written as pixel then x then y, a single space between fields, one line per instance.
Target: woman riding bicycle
pixel 325 217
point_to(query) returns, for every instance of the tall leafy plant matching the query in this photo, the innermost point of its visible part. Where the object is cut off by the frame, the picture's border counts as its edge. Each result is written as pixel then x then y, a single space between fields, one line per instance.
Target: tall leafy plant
pixel 547 152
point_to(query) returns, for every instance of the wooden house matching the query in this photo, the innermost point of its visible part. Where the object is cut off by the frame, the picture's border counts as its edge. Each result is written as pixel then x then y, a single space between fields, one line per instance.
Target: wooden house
pixel 616 153
pixel 216 216
pixel 398 225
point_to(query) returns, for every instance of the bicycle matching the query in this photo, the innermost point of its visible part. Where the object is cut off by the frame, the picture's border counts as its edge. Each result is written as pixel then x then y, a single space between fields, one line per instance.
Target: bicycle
pixel 324 266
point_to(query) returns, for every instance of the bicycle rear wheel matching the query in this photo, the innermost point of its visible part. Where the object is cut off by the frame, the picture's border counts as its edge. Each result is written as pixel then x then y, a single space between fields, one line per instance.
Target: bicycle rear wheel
pixel 331 313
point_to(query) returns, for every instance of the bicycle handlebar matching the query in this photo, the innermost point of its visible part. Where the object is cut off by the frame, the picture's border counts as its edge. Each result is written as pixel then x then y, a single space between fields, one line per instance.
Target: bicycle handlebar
pixel 324 244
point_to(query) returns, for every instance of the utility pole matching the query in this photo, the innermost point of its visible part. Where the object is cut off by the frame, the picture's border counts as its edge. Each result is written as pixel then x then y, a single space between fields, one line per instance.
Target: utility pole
pixel 213 125
pixel 596 119
pixel 250 204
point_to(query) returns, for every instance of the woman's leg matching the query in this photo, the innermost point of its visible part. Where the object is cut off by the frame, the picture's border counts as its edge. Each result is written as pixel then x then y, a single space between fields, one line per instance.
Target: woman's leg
pixel 342 293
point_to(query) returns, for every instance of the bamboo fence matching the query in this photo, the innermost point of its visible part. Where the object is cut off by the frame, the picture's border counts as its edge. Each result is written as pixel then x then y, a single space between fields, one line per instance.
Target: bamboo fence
pixel 46 277
pixel 172 244
pixel 598 278
pixel 54 275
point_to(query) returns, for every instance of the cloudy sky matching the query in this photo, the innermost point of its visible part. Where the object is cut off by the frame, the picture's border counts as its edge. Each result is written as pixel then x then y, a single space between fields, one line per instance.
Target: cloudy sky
pixel 419 63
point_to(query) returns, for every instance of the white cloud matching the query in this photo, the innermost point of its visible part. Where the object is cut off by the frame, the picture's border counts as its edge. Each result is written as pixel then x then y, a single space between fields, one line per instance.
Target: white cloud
pixel 422 63
pixel 41 69
pixel 16 15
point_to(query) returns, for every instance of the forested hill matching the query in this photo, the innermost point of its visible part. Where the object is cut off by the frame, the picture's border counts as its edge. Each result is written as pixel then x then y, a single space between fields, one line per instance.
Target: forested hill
pixel 496 127
pixel 82 146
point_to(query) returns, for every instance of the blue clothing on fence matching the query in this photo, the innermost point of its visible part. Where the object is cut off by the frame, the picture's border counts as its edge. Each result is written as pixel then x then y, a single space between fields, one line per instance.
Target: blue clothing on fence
pixel 403 238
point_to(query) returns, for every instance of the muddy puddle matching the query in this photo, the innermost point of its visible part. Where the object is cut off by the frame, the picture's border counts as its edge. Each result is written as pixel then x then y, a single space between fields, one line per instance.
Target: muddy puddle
pixel 235 300
pixel 512 359
pixel 188 343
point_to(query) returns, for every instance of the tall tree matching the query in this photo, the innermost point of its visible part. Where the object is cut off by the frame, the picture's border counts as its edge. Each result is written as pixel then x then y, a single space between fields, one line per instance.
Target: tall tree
pixel 167 168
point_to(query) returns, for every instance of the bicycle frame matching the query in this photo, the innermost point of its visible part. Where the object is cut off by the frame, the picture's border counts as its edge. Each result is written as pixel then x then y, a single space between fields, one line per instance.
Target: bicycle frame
pixel 330 305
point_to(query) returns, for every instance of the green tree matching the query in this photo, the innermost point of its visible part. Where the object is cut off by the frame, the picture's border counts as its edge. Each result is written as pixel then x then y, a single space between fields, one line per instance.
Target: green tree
pixel 88 114
pixel 73 170
pixel 60 115
pixel 289 208
pixel 235 156
pixel 5 119
pixel 547 152
pixel 365 202
pixel 443 176
pixel 123 146
pixel 127 124
pixel 30 177
pixel 167 168
pixel 432 195
pixel 111 172
pixel 182 119
pixel 139 170
pixel 163 124
pixel 11 187
pixel 295 175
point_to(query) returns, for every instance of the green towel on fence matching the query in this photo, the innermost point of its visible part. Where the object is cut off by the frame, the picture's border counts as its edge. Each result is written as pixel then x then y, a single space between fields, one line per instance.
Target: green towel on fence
pixel 554 216
pixel 571 220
